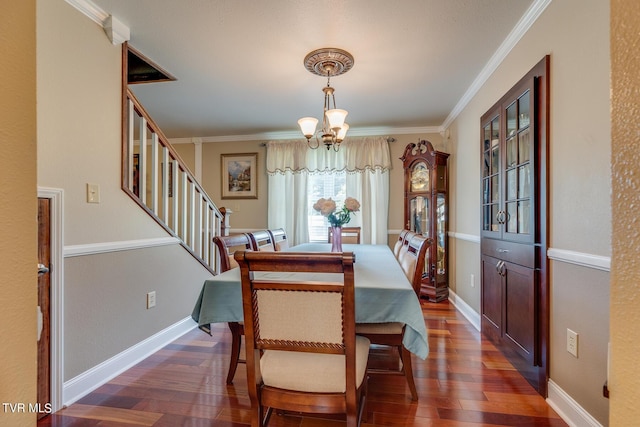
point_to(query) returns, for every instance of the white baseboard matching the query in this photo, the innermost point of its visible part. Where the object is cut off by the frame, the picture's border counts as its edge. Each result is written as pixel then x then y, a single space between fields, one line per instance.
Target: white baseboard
pixel 568 409
pixel 88 381
pixel 561 402
pixel 465 309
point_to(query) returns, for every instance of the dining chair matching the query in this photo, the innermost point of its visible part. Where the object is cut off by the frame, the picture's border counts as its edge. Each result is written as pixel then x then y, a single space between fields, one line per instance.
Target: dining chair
pixel 399 243
pixel 392 333
pixel 349 235
pixel 227 246
pixel 302 351
pixel 279 239
pixel 261 240
pixel 405 243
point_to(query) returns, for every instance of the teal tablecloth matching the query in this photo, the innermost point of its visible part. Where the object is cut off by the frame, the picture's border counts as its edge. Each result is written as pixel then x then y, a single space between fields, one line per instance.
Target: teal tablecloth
pixel 383 294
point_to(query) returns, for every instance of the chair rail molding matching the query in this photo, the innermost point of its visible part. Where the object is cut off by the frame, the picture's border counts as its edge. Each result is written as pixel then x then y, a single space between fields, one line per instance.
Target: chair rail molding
pixel 597 262
pixel 466 237
pixel 127 245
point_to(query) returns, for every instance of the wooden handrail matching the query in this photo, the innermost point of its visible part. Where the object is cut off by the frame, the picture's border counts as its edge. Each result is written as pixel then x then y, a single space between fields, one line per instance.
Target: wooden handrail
pixel 159 181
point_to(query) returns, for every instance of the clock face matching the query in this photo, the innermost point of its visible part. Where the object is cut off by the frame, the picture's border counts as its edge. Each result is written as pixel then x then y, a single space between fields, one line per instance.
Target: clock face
pixel 420 177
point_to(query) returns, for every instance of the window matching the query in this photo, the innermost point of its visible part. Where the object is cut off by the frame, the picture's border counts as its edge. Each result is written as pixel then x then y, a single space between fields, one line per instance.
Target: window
pixel 299 176
pixel 323 185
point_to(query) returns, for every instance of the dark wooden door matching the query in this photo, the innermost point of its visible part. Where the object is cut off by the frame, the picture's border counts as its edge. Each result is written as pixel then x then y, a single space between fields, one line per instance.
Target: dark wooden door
pixel 491 304
pixel 44 303
pixel 519 321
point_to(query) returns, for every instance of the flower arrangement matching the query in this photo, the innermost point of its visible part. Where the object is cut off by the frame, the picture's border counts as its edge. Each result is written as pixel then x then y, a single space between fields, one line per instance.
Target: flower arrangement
pixel 337 218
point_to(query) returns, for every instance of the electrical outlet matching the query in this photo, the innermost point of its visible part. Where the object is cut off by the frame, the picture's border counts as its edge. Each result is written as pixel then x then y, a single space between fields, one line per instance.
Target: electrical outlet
pixel 472 281
pixel 572 342
pixel 151 299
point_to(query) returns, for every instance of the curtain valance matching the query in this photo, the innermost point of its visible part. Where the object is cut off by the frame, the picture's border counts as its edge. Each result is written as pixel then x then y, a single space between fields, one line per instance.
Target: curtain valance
pixel 355 154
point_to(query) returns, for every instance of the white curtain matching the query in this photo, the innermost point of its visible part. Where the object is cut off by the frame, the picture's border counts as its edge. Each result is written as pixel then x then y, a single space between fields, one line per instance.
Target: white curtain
pixel 287 203
pixel 367 162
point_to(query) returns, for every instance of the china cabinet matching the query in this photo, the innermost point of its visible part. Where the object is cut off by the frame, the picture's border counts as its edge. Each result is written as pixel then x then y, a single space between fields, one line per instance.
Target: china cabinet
pixel 425 211
pixel 514 291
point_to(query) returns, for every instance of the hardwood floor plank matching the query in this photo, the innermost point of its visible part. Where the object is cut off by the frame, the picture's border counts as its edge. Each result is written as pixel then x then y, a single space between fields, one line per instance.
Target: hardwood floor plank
pixel 465 382
pixel 105 413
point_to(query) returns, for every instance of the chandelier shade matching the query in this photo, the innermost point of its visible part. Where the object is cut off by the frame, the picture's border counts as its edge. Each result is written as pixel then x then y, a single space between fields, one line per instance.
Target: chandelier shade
pixel 327 62
pixel 308 126
pixel 343 132
pixel 336 118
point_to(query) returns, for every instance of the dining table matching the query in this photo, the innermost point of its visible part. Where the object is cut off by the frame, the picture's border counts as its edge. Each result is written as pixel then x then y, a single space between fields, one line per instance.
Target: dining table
pixel 382 294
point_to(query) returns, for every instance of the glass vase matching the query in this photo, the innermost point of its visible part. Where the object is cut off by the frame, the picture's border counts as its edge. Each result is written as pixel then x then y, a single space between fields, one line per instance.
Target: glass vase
pixel 336 239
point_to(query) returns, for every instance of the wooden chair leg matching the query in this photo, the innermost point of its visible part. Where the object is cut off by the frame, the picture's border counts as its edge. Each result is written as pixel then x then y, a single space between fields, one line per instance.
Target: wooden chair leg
pixel 405 356
pixel 236 343
pixel 362 415
pixel 267 416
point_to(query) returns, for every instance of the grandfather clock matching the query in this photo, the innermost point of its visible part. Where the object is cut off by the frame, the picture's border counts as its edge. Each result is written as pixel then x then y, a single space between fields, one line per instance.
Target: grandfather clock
pixel 426 212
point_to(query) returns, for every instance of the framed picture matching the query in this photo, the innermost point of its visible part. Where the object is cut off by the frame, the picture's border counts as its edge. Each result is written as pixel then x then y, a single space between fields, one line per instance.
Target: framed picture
pixel 239 176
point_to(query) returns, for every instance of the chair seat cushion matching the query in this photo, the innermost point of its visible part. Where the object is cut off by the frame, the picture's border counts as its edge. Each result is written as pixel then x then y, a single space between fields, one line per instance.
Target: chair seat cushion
pixel 312 372
pixel 379 328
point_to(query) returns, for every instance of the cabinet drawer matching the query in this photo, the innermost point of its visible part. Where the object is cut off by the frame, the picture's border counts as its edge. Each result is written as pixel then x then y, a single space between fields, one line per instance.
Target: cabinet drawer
pixel 516 253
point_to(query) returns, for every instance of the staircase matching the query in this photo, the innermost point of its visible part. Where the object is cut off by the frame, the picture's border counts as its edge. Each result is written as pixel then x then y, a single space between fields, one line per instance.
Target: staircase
pixel 155 177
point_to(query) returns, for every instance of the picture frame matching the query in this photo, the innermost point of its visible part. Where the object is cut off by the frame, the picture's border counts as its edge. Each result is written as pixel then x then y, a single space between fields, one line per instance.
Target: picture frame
pixel 239 176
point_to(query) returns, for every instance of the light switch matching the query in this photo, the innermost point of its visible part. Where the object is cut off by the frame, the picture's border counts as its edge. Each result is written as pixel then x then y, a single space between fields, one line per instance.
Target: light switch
pixel 93 193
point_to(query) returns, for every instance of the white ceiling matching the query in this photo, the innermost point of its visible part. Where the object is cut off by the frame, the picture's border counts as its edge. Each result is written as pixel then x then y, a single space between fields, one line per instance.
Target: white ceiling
pixel 239 63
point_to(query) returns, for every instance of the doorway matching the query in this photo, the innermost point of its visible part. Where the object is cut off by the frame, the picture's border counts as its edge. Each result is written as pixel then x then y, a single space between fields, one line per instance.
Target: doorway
pixel 50 300
pixel 44 305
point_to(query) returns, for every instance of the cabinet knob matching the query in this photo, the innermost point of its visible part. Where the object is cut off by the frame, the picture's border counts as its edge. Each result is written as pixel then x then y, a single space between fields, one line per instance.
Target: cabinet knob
pixel 501 216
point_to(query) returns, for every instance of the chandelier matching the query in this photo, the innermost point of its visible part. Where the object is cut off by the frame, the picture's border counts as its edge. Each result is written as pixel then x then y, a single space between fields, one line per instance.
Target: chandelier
pixel 327 62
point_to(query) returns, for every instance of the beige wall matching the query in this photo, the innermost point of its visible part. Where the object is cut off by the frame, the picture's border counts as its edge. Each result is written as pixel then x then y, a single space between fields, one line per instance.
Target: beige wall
pixel 251 214
pixel 625 267
pixel 18 210
pixel 575 34
pixel 79 142
pixel 76 146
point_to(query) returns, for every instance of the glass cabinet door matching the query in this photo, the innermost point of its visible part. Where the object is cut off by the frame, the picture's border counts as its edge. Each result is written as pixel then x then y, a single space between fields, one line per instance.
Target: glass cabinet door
pixel 518 168
pixel 419 217
pixel 441 235
pixel 507 170
pixel 491 209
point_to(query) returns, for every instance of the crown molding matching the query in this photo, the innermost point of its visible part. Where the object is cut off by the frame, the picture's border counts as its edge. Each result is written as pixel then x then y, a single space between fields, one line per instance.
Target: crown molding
pixel 116 31
pixel 521 28
pixel 90 10
pixel 278 136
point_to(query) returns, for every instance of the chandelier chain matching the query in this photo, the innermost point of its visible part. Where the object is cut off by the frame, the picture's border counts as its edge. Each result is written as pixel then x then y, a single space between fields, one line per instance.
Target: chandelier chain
pixel 332 62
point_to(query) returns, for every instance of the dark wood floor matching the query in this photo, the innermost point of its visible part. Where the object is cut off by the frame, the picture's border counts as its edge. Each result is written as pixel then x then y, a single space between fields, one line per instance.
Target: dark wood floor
pixel 465 381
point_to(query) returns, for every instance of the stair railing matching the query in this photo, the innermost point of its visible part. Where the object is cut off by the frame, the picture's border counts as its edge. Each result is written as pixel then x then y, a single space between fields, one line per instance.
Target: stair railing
pixel 154 175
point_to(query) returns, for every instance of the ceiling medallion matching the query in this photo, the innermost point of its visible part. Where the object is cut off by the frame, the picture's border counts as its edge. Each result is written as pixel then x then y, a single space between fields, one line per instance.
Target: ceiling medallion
pixel 328 62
